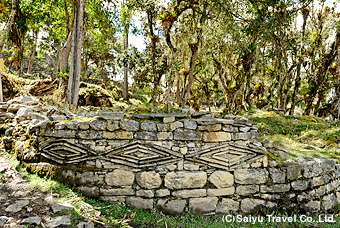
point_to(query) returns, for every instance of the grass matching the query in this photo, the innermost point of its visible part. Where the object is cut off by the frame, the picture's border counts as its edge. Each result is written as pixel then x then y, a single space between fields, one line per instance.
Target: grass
pixel 305 136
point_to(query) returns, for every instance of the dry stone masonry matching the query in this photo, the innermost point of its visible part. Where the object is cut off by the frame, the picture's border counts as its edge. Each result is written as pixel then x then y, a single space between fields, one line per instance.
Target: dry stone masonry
pixel 172 162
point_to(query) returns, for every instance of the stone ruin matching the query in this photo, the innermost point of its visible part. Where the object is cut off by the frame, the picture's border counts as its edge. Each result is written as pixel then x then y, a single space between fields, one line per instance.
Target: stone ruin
pixel 174 162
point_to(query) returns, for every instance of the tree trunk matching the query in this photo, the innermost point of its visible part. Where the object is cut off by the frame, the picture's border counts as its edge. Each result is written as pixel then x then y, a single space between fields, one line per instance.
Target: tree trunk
pixel 65 53
pixel 34 49
pixel 298 71
pixel 9 24
pixel 77 40
pixel 126 67
pixel 153 43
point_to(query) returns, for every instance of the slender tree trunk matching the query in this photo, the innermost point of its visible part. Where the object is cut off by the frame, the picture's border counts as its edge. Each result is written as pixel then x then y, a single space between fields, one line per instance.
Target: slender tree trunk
pixel 33 51
pixel 126 68
pixel 153 43
pixel 77 40
pixel 298 71
pixel 9 24
pixel 65 53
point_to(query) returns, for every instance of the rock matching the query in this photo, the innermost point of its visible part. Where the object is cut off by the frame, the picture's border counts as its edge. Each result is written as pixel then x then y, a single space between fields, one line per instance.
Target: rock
pixel 221 191
pixel 187 135
pixel 275 188
pixel 293 169
pixel 277 175
pixel 87 224
pixel 37 116
pixel 164 136
pixel 28 100
pixel 86 178
pixel 231 117
pixel 120 178
pixel 201 206
pixel 172 207
pixel 300 160
pixel 117 135
pixel 139 203
pixel 146 135
pixel 4 220
pixel 216 137
pixel 163 127
pixel 227 205
pixel 311 169
pixel 182 179
pixel 117 192
pixel 242 136
pixel 110 115
pixel 207 121
pixel 149 180
pixel 212 127
pixel 254 205
pixel 32 220
pixel 229 128
pixel 221 179
pixel 15 107
pixel 251 176
pixel 175 125
pixel 60 207
pixel 129 125
pixel 338 197
pixel 300 185
pixel 305 196
pixel 72 125
pixel 190 124
pixel 89 191
pixel 98 124
pixel 317 181
pixel 162 192
pixel 169 119
pixel 244 129
pixel 84 125
pixel 247 190
pixel 58 118
pixel 267 144
pixel 329 202
pixel 112 125
pixel 24 112
pixel 199 114
pixel 19 204
pixel 190 193
pixel 145 193
pixel 64 220
pixel 326 164
pixel 312 206
pixel 272 197
pixel 148 126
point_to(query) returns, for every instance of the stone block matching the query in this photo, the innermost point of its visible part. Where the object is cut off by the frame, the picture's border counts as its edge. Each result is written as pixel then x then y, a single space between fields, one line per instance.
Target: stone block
pixel 300 185
pixel 187 135
pixel 87 178
pixel 149 180
pixel 111 115
pixel 213 127
pixel 182 180
pixel 251 176
pixel 129 125
pixel 148 126
pixel 230 128
pixel 118 135
pixel 227 206
pixel 165 135
pixel 175 125
pixel 89 134
pixel 172 207
pixel 221 179
pixel 254 205
pixel 242 136
pixel 221 191
pixel 139 203
pixel 317 181
pixel 112 125
pixel 216 137
pixel 190 124
pixel 329 202
pixel 98 124
pixel 201 206
pixel 326 164
pixel 117 192
pixel 89 191
pixel 312 206
pixel 277 175
pixel 120 178
pixel 247 190
pixel 145 193
pixel 146 136
pixel 84 125
pixel 311 169
pixel 293 169
pixel 190 193
pixel 162 192
pixel 275 188
pixel 169 119
pixel 163 127
pixel 72 125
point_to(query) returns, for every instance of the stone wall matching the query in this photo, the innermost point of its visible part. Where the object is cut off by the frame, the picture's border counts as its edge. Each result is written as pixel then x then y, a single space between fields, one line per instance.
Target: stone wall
pixel 172 162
